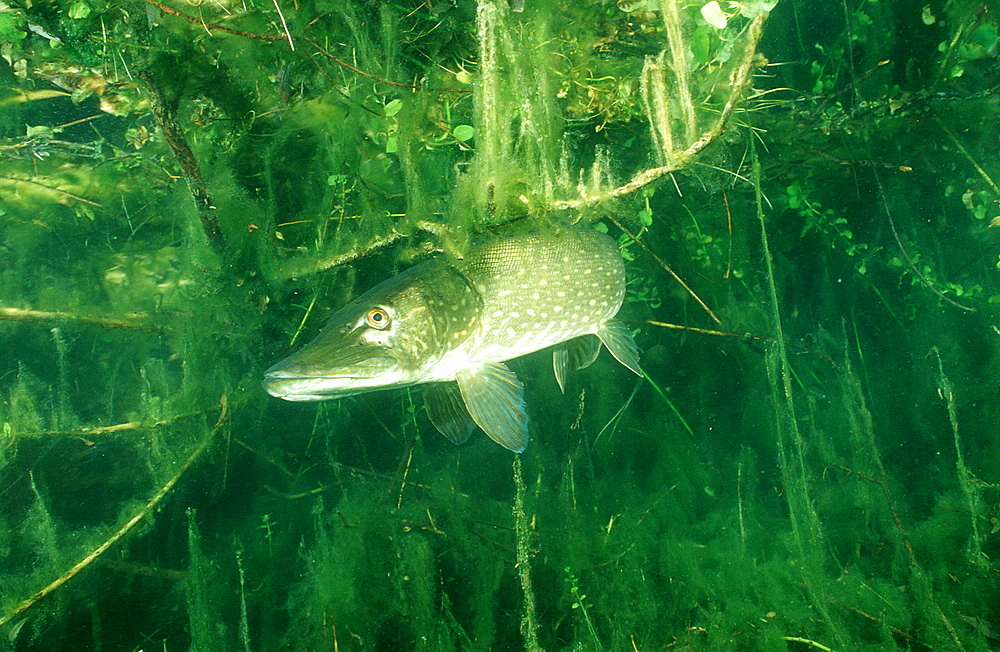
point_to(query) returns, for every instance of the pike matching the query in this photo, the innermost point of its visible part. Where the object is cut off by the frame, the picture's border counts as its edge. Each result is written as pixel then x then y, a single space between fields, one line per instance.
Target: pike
pixel 450 325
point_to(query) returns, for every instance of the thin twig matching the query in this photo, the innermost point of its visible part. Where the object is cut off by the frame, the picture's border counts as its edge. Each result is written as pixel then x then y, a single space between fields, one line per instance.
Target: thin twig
pixel 965 152
pixel 849 87
pixel 285 25
pixel 356 70
pixel 895 630
pixel 212 26
pixel 729 225
pixel 909 259
pixel 118 427
pixel 806 641
pixel 749 336
pixel 667 268
pixel 295 268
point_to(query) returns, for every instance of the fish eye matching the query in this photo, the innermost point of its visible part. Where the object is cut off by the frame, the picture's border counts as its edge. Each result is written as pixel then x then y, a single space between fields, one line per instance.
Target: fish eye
pixel 377 318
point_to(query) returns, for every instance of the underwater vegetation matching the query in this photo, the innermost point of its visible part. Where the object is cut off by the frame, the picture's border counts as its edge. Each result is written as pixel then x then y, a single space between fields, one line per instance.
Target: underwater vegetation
pixel 804 195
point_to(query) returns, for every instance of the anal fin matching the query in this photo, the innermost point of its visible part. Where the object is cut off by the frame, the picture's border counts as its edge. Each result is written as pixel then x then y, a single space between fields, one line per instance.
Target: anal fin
pixel 494 398
pixel 577 353
pixel 616 336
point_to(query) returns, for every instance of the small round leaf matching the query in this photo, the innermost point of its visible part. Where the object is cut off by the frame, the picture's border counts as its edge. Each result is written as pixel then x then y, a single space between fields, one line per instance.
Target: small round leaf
pixel 464 132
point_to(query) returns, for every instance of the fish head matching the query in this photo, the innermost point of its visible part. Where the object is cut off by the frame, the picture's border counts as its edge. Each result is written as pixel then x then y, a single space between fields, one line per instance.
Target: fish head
pixel 391 336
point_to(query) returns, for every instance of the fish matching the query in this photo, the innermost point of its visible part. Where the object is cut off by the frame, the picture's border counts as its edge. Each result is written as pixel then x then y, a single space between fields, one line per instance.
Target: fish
pixel 449 324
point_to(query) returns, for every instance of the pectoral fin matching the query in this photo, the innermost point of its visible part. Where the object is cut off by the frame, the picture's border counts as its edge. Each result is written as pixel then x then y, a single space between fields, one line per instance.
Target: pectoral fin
pixel 447 412
pixel 495 398
pixel 577 353
pixel 618 339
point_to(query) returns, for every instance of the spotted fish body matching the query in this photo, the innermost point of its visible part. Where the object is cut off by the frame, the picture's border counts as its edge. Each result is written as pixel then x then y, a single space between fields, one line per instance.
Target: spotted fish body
pixel 451 324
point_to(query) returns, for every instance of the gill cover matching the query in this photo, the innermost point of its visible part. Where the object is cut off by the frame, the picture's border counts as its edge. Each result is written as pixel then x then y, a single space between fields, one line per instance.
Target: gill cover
pixel 387 337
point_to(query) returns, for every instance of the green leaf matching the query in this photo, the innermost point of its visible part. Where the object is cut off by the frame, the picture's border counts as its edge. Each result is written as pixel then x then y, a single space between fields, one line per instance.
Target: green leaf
pixel 464 132
pixel 393 107
pixel 700 45
pixel 79 9
pixel 11 28
pixel 40 130
pixel 986 36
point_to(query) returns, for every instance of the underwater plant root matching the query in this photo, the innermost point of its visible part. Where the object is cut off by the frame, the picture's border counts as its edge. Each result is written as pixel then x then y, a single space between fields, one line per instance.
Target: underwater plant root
pixel 121 532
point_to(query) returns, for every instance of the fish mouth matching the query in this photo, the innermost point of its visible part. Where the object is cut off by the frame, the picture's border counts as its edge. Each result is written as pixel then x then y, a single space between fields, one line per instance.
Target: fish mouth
pixel 292 387
pixel 300 382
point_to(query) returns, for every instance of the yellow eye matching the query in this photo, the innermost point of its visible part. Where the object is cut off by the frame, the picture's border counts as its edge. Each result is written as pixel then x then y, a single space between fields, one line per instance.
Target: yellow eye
pixel 377 318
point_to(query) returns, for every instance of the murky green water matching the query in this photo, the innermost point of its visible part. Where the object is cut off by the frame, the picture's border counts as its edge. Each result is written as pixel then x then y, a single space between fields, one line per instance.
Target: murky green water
pixel 189 190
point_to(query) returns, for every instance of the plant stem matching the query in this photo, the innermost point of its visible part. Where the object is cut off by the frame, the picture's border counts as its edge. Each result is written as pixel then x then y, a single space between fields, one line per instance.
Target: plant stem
pixel 529 624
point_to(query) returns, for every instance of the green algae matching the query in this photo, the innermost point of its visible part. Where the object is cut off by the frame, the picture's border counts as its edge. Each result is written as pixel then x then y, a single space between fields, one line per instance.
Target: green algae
pixel 817 472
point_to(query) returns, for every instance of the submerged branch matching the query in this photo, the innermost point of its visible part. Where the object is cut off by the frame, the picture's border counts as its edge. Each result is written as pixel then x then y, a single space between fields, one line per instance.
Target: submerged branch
pixel 968 155
pixel 358 71
pixel 909 259
pixel 678 62
pixel 740 80
pixel 117 536
pixel 294 268
pixel 58 191
pixel 136 321
pixel 529 620
pixel 118 427
pixel 186 159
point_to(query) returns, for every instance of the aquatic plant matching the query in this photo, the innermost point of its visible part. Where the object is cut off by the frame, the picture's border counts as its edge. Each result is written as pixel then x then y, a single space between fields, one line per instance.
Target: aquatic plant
pixel 188 191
